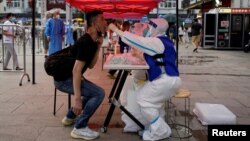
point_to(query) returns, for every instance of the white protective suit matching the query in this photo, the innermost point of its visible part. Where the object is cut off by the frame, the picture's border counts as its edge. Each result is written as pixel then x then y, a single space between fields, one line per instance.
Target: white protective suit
pixel 153 94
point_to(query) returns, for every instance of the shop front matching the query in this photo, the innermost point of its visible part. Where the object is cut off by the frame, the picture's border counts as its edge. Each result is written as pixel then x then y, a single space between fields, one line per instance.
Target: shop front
pixel 229 29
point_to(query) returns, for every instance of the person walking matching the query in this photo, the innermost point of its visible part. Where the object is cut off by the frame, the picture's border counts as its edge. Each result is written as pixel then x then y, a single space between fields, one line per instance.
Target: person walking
pixel 8 40
pixel 55 31
pixel 196 34
pixel 87 95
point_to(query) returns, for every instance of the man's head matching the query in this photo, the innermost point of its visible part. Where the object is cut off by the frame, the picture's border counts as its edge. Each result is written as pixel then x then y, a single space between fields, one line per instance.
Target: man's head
pixel 95 19
pixel 195 20
pixel 126 26
pixel 56 13
pixel 9 15
pixel 157 27
pixel 48 14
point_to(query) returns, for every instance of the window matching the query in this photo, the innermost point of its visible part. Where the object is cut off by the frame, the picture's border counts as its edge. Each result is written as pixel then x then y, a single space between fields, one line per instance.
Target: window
pixel 162 5
pixel 14 3
pixel 170 3
pixel 39 3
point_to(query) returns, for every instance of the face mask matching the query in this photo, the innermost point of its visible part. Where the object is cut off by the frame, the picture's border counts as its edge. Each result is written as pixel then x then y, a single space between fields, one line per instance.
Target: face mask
pixel 149 33
pixel 145 31
pixel 99 33
pixel 13 19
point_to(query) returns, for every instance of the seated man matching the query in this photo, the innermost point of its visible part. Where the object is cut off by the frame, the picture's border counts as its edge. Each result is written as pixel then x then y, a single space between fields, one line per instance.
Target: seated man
pixel 87 95
pixel 163 75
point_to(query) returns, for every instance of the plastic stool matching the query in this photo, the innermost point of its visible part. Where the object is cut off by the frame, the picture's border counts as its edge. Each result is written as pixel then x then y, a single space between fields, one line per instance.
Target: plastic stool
pixel 69 102
pixel 182 93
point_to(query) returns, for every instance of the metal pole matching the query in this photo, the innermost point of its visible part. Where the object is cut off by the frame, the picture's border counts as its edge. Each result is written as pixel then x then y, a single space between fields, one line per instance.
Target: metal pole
pixel 33 41
pixel 177 32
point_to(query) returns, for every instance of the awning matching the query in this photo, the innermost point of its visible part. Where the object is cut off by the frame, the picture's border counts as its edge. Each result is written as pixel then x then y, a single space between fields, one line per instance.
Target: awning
pixel 130 8
pixel 197 5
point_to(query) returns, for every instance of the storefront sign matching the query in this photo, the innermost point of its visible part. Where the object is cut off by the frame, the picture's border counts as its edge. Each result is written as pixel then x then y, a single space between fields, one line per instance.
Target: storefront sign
pixel 225 10
pixel 224 24
pixel 56 4
pixel 241 10
pixel 193 1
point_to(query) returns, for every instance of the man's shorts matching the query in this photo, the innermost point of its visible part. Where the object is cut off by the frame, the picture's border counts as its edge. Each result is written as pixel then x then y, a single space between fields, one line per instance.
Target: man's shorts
pixel 196 39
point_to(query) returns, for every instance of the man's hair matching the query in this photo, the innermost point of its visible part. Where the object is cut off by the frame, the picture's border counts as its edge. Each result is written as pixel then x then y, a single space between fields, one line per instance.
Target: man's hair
pixel 91 17
pixel 126 24
pixel 9 15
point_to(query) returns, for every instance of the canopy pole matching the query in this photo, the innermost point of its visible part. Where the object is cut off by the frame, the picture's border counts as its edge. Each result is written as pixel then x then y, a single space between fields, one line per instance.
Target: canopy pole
pixel 177 32
pixel 33 41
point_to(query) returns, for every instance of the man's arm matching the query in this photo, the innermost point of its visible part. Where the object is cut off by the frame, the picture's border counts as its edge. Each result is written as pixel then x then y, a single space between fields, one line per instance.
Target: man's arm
pixel 77 76
pixel 6 33
pixel 148 45
pixel 47 31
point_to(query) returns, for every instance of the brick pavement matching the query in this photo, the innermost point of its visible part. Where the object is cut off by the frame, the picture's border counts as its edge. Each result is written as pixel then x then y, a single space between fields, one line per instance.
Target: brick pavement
pixel 213 76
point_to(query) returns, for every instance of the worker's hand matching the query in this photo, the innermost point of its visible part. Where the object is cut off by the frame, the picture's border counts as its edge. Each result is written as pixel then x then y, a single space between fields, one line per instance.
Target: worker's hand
pixel 77 108
pixel 115 29
pixel 48 38
pixel 112 27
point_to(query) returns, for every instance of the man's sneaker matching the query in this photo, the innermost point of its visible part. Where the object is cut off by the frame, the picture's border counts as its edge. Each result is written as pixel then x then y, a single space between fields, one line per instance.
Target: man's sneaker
pixel 68 121
pixel 84 133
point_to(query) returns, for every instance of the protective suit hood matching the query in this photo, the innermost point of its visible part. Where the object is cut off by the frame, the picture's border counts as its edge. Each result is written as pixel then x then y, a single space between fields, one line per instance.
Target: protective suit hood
pixel 157 27
pixel 140 29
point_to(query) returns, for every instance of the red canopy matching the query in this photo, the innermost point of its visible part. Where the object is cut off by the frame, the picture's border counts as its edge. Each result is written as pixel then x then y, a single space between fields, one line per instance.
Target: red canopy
pixel 118 15
pixel 124 8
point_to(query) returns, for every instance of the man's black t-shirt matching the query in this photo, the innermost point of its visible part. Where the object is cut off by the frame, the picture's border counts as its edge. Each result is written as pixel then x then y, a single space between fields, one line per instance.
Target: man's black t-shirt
pixel 84 50
pixel 196 27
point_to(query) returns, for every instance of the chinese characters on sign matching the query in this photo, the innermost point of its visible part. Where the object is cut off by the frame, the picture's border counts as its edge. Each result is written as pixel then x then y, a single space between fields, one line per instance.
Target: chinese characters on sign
pixel 56 4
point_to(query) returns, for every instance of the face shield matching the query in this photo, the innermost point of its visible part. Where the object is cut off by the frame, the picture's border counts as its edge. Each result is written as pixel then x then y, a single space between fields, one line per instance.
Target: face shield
pixel 157 27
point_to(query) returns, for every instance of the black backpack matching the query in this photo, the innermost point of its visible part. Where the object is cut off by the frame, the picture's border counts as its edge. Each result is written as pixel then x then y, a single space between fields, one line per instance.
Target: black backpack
pixel 60 64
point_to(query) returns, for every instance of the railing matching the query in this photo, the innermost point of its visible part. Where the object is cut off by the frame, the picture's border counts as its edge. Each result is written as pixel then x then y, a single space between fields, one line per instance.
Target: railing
pixel 19 32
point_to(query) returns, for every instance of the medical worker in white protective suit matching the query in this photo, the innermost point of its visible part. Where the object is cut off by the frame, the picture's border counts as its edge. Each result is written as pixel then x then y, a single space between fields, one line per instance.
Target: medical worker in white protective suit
pixel 163 75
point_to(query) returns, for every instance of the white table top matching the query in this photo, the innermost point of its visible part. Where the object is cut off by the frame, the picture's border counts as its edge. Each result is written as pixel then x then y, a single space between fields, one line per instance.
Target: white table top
pixel 107 65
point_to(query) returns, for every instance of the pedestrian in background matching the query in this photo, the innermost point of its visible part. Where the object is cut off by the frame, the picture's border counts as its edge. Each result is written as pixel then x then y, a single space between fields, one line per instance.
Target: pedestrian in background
pixel 196 34
pixel 69 41
pixel 55 31
pixel 8 41
pixel 46 42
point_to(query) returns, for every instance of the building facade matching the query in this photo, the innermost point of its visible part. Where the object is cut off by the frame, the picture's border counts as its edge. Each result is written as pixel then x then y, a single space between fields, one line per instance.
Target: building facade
pixel 18 6
pixel 231 20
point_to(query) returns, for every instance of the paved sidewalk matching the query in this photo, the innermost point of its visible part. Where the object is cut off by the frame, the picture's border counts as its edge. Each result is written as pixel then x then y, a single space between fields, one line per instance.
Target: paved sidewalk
pixel 213 76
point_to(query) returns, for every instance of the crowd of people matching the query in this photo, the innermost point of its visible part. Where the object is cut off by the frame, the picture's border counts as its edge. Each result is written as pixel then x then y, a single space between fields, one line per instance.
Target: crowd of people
pixel 186 34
